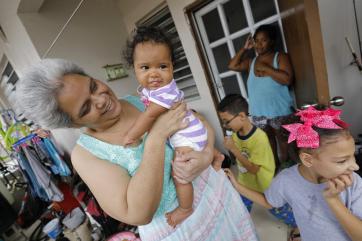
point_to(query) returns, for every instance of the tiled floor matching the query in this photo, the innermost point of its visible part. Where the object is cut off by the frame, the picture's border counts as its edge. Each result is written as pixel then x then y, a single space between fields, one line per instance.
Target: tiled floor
pixel 267 226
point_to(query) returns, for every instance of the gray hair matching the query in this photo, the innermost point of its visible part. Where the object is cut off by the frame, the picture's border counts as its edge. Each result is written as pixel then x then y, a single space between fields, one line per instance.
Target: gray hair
pixel 37 89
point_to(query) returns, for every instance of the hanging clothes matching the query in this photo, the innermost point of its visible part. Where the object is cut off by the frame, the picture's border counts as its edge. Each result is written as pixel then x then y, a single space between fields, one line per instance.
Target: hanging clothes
pixel 59 166
pixel 40 177
pixel 39 160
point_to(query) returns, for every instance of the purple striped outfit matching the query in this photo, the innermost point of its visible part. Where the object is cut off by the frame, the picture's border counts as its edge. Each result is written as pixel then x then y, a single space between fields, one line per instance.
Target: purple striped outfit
pixel 195 134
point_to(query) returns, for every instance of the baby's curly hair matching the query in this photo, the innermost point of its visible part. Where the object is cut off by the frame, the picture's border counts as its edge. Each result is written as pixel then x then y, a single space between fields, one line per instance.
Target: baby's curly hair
pixel 144 34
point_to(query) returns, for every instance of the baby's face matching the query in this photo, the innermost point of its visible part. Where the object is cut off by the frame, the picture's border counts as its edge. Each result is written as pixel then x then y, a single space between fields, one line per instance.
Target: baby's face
pixel 153 65
pixel 335 157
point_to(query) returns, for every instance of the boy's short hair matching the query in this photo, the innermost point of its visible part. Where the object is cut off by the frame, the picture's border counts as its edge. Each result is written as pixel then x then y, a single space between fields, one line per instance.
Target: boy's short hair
pixel 233 104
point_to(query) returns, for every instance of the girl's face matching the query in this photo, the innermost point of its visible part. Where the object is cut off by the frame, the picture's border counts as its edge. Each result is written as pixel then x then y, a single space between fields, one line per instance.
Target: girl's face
pixel 89 102
pixel 153 65
pixel 263 44
pixel 335 157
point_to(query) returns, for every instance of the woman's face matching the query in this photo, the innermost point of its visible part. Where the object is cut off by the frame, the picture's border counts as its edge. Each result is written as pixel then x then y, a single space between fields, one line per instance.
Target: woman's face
pixel 263 44
pixel 89 102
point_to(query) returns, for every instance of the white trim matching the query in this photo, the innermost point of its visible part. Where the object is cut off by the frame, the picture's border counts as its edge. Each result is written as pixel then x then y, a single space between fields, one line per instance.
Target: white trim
pixel 229 38
pixel 202 31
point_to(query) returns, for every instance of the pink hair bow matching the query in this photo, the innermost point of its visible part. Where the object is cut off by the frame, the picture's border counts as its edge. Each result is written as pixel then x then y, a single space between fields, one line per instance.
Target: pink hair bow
pixel 304 134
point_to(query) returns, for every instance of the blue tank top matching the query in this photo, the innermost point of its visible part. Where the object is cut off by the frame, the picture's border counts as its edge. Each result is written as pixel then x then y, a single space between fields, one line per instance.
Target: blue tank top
pixel 266 96
pixel 130 159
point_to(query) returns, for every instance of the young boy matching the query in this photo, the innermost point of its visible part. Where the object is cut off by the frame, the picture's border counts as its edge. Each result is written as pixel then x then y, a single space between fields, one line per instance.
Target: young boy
pixel 249 144
pixel 323 190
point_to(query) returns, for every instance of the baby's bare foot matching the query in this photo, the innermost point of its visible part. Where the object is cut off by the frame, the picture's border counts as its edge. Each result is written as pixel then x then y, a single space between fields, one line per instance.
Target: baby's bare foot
pixel 177 216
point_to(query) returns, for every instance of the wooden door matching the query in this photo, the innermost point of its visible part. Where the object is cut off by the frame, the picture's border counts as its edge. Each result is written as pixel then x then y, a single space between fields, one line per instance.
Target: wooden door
pixel 303 36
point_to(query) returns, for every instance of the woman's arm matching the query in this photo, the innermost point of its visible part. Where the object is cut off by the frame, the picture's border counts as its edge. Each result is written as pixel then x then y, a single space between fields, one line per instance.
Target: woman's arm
pixel 132 200
pixel 351 224
pixel 190 165
pixel 283 75
pixel 248 193
pixel 238 62
pixel 144 122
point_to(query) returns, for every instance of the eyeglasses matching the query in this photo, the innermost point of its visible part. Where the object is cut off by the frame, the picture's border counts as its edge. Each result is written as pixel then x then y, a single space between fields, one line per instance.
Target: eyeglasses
pixel 226 123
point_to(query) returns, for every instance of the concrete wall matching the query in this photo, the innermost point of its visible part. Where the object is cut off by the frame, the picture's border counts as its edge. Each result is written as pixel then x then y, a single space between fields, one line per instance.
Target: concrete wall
pixel 19 48
pixel 132 13
pixel 337 21
pixel 44 25
pixel 94 37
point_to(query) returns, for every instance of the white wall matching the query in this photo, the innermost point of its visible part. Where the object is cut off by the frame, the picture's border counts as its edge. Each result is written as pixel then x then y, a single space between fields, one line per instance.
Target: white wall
pixel 94 37
pixel 132 13
pixel 337 21
pixel 44 25
pixel 19 49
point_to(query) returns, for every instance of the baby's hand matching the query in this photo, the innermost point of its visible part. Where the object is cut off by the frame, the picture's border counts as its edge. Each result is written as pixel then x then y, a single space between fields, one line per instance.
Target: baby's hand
pixel 337 185
pixel 231 176
pixel 129 141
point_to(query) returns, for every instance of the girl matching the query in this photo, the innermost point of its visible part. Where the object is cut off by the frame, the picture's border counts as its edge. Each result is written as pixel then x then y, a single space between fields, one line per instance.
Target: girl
pixel 150 53
pixel 323 190
pixel 270 74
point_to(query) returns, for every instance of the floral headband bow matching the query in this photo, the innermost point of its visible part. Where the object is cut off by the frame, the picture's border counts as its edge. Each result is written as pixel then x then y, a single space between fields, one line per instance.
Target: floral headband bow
pixel 304 134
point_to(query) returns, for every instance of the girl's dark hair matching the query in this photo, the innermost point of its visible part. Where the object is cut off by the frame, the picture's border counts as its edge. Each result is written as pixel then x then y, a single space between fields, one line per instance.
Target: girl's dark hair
pixel 144 34
pixel 269 29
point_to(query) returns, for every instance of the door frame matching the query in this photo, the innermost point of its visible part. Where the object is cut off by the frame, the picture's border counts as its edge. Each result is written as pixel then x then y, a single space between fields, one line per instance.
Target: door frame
pixel 286 7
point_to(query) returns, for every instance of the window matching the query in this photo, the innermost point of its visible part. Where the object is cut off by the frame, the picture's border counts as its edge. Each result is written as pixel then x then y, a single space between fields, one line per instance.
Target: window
pixel 182 72
pixel 223 26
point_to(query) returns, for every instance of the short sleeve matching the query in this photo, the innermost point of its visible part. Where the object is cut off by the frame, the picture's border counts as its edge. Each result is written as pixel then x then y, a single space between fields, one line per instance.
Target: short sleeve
pixel 275 193
pixel 165 96
pixel 356 202
pixel 261 153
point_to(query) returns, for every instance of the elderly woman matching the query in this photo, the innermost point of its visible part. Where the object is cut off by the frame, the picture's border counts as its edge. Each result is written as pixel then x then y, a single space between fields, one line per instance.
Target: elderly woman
pixel 132 184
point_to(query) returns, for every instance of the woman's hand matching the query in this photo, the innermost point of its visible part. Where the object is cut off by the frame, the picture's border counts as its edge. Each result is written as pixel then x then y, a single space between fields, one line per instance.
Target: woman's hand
pixel 249 43
pixel 337 185
pixel 170 122
pixel 262 69
pixel 188 166
pixel 231 176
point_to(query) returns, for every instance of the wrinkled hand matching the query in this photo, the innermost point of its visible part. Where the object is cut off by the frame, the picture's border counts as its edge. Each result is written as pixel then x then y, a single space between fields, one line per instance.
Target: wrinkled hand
pixel 229 143
pixel 188 166
pixel 170 122
pixel 337 185
pixel 218 160
pixel 249 43
pixel 262 69
pixel 231 176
